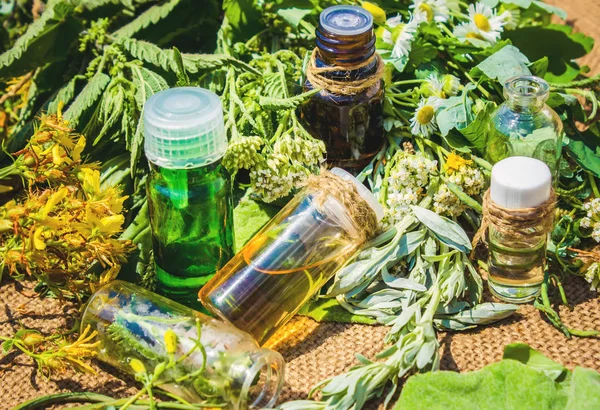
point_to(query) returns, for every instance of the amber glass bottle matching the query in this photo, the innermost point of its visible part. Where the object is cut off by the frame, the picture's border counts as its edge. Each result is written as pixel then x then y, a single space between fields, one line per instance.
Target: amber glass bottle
pixel 351 125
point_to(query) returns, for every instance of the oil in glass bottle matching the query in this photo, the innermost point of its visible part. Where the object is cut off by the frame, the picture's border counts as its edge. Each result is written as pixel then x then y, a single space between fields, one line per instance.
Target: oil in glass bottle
pixel 348 120
pixel 189 191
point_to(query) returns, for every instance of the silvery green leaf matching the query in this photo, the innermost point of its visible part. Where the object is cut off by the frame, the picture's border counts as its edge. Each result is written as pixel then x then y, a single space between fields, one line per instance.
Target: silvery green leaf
pixel 401 283
pixel 402 320
pixel 484 313
pixel 450 324
pixel 410 242
pixel 426 353
pixel 383 296
pixel 362 359
pixel 302 405
pixel 474 282
pixel 454 307
pixel 440 257
pixel 446 230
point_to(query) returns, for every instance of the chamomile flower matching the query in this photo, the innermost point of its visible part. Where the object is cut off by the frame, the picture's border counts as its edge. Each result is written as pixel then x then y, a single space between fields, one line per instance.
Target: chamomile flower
pixel 483 24
pixel 441 87
pixel 423 121
pixel 511 17
pixel 400 35
pixel 433 10
pixel 450 85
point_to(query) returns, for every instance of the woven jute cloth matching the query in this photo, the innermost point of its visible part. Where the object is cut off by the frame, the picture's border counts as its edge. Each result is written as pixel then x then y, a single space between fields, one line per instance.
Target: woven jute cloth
pixel 313 351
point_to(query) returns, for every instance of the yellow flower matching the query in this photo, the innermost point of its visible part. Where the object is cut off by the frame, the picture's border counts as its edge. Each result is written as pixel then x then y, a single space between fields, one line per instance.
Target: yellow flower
pixel 91 181
pixel 377 12
pixel 137 366
pixel 455 163
pixel 170 341
pixel 78 149
pixel 54 200
pixel 38 240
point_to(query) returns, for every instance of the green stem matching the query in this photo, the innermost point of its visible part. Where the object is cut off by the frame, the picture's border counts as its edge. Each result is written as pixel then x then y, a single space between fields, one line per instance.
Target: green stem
pixel 407 82
pixel 44 401
pixel 593 184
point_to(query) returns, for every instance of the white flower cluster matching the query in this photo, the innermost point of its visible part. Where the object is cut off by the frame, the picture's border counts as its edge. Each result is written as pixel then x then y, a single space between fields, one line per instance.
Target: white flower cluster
pixel 592 219
pixel 470 179
pixel 406 183
pixel 309 152
pixel 592 275
pixel 243 153
pixel 274 177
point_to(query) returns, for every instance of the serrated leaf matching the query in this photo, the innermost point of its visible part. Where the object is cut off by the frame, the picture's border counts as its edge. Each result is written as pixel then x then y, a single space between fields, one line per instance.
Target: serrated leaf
pixel 149 53
pixel 111 108
pixel 65 95
pixel 46 40
pixel 7 345
pixel 149 17
pixel 146 83
pixel 90 94
pixel 506 63
pixel 285 103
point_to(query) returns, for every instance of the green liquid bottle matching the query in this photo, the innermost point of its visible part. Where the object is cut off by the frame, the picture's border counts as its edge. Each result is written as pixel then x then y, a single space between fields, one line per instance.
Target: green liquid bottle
pixel 189 191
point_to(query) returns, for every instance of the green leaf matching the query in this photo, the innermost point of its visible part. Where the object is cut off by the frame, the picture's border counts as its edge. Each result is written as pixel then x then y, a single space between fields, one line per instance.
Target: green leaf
pixel 583 148
pixel 182 78
pixel 534 359
pixel 149 17
pixel 7 345
pixel 90 94
pixel 481 314
pixel 329 310
pixel 540 67
pixel 65 95
pixel 452 113
pixel 294 15
pixel 249 216
pixel 506 385
pixel 446 230
pixel 243 18
pixel 550 8
pixel 146 83
pixel 584 391
pixel 558 43
pixel 149 53
pixel 285 103
pixel 476 131
pixel 504 64
pixel 46 40
pixel 464 198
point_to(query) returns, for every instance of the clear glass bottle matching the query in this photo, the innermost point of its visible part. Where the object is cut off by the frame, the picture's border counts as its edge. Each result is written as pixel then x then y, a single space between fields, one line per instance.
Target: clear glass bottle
pixel 230 368
pixel 285 263
pixel 189 191
pixel 517 262
pixel 350 125
pixel 524 125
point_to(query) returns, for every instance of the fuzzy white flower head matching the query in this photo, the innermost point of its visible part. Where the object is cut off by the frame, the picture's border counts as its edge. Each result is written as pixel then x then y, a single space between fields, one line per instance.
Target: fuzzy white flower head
pixel 433 86
pixel 423 121
pixel 483 24
pixel 450 85
pixel 401 34
pixel 433 10
pixel 511 17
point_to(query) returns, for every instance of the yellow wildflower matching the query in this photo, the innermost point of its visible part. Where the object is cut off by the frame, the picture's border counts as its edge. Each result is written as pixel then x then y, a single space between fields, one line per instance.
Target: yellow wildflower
pixel 137 366
pixel 455 162
pixel 170 341
pixel 377 12
pixel 38 240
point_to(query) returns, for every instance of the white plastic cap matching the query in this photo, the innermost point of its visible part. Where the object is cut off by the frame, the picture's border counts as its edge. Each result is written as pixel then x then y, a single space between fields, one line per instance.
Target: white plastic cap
pixel 183 128
pixel 520 182
pixel 363 191
pixel 346 20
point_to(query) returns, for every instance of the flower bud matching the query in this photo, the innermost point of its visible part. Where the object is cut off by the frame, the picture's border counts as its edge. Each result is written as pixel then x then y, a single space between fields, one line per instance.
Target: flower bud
pixel 170 341
pixel 376 11
pixel 137 366
pixel 32 339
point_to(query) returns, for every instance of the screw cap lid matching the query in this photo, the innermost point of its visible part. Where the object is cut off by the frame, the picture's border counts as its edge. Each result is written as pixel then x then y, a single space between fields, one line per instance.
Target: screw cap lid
pixel 346 20
pixel 520 182
pixel 183 128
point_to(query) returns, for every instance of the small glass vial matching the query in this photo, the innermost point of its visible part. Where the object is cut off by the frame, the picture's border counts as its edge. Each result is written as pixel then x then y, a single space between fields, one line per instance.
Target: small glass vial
pixel 284 264
pixel 350 125
pixel 228 368
pixel 189 191
pixel 524 125
pixel 517 260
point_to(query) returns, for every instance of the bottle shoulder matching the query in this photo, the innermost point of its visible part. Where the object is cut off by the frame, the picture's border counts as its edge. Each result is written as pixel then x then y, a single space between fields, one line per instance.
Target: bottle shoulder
pixel 507 120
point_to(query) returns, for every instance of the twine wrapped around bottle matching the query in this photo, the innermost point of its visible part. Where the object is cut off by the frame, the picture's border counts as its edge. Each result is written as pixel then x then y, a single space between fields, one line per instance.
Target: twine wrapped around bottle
pixel 362 215
pixel 315 76
pixel 514 223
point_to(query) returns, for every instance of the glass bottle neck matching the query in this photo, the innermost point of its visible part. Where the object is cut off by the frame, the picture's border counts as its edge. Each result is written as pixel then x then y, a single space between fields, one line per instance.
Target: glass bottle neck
pixel 260 383
pixel 526 94
pixel 346 51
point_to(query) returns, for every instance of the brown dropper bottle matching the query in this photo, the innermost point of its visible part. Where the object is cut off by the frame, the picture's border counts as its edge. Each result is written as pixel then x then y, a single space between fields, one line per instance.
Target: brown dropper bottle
pixel 347 114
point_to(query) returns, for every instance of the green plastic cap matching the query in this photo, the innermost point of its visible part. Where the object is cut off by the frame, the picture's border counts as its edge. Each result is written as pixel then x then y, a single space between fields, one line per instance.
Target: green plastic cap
pixel 183 128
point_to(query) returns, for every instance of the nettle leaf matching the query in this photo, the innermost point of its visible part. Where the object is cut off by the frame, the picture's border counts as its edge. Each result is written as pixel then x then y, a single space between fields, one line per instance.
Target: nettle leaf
pixel 504 64
pixel 149 53
pixel 149 17
pixel 558 43
pixel 46 40
pixel 146 83
pixel 453 113
pixel 583 148
pixel 476 131
pixel 446 230
pixel 90 94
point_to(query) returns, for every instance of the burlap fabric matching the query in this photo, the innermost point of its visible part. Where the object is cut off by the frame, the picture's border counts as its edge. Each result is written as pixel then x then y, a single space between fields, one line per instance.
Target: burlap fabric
pixel 313 351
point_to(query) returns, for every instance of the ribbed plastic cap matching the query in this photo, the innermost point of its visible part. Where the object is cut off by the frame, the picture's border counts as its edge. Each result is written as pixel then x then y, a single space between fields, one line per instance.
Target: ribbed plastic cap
pixel 346 20
pixel 520 182
pixel 363 191
pixel 183 128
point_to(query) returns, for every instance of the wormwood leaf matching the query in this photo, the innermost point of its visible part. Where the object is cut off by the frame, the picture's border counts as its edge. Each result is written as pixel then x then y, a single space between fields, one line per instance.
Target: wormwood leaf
pixel 151 16
pixel 111 108
pixel 285 103
pixel 198 62
pixel 88 97
pixel 444 229
pixel 182 77
pixel 46 40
